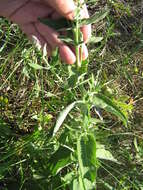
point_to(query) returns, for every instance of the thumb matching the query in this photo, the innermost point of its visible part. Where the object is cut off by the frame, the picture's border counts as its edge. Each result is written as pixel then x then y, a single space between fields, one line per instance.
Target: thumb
pixel 64 7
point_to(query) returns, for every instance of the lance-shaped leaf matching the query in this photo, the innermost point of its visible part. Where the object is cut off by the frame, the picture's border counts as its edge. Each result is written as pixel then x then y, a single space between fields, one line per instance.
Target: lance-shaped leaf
pixel 35 66
pixel 102 153
pixel 107 104
pixel 63 116
pixel 57 24
pixel 94 40
pixel 86 149
pixel 95 18
pixel 66 40
pixel 59 160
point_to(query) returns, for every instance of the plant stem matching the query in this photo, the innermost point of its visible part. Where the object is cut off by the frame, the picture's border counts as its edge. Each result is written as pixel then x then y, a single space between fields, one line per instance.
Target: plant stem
pixel 76 31
pixel 78 61
pixel 42 98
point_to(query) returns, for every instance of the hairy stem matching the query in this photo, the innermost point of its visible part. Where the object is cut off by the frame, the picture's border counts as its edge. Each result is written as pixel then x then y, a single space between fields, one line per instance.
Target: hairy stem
pixel 77 45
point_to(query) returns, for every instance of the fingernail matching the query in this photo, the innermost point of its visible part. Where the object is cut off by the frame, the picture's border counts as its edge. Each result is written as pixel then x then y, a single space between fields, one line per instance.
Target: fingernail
pixel 84 52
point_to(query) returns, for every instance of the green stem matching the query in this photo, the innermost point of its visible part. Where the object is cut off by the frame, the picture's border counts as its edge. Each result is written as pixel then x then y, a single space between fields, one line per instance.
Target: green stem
pixel 78 61
pixel 42 98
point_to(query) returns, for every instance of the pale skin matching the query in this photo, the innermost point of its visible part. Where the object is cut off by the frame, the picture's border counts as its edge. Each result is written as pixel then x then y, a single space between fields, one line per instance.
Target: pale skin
pixel 26 13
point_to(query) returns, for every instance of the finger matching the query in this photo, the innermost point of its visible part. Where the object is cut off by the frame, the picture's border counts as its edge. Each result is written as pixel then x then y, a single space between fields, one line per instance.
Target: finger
pixel 64 7
pixel 51 37
pixel 7 9
pixel 55 16
pixel 30 13
pixel 35 37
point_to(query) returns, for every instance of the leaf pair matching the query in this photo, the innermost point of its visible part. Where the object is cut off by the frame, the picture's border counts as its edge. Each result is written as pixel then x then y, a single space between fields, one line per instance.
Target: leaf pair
pixel 62 23
pixel 100 101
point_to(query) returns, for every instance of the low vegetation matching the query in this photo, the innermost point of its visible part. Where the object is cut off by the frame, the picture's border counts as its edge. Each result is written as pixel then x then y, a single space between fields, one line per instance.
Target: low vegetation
pixel 74 127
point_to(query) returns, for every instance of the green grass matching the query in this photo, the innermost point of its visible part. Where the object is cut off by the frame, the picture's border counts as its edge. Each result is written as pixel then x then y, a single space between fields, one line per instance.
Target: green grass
pixel 32 97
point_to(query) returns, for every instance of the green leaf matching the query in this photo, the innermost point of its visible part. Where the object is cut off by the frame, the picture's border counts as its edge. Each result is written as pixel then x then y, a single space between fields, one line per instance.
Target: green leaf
pixel 86 149
pixel 91 1
pixel 107 104
pixel 66 40
pixel 75 185
pixel 59 160
pixel 35 66
pixel 95 18
pixel 72 81
pixel 102 153
pixel 69 178
pixel 55 24
pixel 94 40
pixel 63 23
pixel 63 116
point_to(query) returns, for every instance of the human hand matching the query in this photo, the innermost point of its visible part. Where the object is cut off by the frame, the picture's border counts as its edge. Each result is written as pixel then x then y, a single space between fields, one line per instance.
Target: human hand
pixel 26 13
